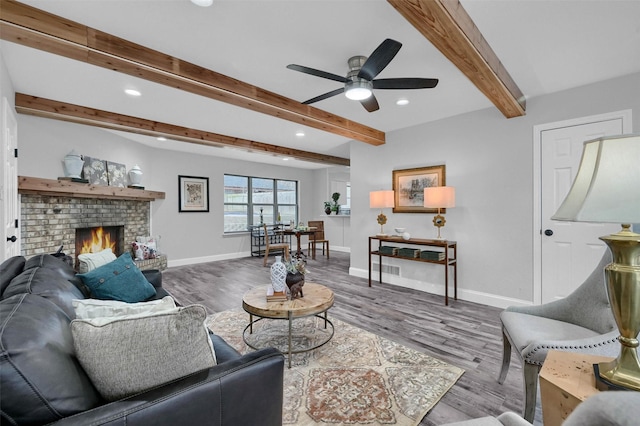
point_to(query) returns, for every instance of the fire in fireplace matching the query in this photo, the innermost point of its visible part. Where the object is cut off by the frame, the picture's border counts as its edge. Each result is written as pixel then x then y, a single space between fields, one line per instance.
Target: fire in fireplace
pixel 96 239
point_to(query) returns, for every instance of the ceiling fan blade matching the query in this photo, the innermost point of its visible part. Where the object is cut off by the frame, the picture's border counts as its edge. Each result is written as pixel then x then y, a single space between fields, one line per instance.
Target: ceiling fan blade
pixel 317 73
pixel 405 83
pixel 324 96
pixel 370 104
pixel 379 59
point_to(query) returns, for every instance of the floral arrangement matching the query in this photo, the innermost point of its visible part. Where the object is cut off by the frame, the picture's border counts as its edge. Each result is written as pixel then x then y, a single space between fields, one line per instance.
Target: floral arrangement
pixel 296 265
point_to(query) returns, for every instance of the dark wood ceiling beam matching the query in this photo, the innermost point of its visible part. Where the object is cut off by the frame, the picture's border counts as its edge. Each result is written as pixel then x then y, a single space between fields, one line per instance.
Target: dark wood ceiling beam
pixel 451 30
pixel 47 108
pixel 26 25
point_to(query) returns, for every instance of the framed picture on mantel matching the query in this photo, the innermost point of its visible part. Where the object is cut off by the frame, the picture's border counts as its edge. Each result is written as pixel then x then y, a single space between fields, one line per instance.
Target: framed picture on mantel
pixel 409 185
pixel 193 193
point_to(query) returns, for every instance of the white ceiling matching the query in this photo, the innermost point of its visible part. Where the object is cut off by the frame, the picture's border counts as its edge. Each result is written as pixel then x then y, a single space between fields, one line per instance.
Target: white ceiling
pixel 546 46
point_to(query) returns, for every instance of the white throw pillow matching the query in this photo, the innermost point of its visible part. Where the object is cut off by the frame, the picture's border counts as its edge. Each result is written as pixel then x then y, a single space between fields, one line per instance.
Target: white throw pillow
pixel 127 355
pixel 90 261
pixel 96 308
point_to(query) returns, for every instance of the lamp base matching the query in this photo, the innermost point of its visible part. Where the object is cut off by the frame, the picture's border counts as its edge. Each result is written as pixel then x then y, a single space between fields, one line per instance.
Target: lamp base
pixel 622 277
pixel 603 384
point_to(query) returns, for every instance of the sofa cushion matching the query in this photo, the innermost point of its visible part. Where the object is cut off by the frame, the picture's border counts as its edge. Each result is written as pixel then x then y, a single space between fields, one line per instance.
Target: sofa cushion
pixel 127 355
pixel 50 262
pixel 90 261
pixel 96 308
pixel 42 381
pixel 9 269
pixel 119 280
pixel 48 283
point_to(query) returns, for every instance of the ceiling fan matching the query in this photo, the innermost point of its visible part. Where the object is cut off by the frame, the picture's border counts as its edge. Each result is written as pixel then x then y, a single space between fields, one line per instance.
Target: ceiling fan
pixel 360 80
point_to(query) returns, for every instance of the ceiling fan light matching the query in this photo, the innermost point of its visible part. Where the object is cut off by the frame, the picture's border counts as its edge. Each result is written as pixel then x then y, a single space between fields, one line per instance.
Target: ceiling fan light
pixel 358 89
pixel 203 3
pixel 358 93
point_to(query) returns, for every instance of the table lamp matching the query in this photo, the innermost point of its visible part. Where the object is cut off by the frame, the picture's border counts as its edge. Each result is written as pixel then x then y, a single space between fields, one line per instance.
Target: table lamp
pixel 607 190
pixel 439 197
pixel 381 200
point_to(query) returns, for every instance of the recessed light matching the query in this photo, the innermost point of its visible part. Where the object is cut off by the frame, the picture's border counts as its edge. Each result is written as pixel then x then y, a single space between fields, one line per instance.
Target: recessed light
pixel 299 133
pixel 161 138
pixel 132 92
pixel 203 3
pixel 402 102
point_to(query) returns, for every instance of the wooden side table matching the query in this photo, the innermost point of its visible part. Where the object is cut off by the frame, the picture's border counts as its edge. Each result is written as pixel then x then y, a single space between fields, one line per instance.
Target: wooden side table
pixel 566 379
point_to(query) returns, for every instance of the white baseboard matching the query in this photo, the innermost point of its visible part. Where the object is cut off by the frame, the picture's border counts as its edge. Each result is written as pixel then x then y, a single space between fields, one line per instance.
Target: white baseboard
pixel 438 288
pixel 204 259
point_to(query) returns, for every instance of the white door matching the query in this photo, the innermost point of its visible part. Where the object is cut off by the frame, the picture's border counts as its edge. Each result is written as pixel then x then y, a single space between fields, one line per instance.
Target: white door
pixel 569 250
pixel 9 190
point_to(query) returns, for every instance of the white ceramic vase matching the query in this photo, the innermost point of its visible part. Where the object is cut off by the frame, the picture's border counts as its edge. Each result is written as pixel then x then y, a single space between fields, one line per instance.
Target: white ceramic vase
pixel 278 275
pixel 135 176
pixel 73 164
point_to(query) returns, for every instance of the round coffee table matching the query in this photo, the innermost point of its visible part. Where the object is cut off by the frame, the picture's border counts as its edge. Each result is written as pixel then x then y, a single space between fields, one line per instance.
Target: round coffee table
pixel 316 302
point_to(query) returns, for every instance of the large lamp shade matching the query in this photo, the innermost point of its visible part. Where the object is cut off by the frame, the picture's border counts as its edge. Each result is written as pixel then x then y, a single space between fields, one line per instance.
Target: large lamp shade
pixel 607 185
pixel 381 199
pixel 439 197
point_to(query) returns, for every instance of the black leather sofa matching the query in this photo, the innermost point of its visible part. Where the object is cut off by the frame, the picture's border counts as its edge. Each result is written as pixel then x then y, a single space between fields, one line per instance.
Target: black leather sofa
pixel 42 382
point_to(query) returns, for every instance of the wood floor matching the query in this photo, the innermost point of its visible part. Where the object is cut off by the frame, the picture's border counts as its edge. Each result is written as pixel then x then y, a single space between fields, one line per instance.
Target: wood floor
pixel 464 334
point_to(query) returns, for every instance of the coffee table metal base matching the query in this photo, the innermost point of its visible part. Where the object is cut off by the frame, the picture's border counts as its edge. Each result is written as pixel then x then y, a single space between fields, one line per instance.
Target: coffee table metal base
pixel 322 316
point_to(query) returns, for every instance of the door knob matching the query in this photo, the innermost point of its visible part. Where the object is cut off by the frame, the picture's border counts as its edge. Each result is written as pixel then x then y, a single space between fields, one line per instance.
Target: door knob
pixel 12 238
pixel 548 232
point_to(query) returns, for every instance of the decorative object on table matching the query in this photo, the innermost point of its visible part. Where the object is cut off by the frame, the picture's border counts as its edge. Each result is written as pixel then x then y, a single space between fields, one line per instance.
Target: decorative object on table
pixel 327 207
pixel 439 197
pixel 406 236
pixel 381 200
pixel 73 164
pixel 296 269
pixel 95 171
pixel 326 386
pixel 605 190
pixel 193 194
pixel 335 206
pixel 399 231
pixel 409 185
pixel 117 174
pixel 135 177
pixel 278 284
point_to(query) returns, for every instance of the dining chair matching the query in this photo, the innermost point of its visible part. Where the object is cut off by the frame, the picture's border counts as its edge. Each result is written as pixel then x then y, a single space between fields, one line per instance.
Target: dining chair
pixel 581 322
pixel 274 241
pixel 317 237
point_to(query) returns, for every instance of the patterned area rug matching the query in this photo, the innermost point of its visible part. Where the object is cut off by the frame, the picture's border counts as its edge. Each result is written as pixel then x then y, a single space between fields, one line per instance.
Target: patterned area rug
pixel 357 378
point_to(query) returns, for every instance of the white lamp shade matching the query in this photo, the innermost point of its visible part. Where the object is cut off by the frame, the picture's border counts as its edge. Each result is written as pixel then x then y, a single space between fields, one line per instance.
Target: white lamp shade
pixel 607 186
pixel 440 197
pixel 381 199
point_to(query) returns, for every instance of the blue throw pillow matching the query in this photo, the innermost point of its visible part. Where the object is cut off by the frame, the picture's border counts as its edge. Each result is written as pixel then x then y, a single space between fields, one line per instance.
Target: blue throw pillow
pixel 118 280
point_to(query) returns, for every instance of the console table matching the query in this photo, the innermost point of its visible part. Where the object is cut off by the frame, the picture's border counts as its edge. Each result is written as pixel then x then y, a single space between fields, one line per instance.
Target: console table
pixel 447 250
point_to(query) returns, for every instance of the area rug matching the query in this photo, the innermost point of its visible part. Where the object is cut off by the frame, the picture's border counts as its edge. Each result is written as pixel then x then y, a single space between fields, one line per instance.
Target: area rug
pixel 357 378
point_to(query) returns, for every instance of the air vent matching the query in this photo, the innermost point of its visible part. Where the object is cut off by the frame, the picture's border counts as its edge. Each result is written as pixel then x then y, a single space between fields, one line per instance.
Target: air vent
pixel 386 269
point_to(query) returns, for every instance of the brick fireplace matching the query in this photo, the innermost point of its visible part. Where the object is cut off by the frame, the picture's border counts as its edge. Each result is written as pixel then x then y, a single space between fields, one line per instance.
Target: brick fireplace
pixel 47 222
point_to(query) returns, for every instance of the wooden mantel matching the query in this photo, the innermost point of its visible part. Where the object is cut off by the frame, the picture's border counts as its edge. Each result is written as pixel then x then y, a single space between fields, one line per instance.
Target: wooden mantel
pixel 63 188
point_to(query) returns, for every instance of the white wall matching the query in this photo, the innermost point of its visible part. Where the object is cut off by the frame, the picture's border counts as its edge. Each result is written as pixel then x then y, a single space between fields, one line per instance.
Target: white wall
pixel 489 159
pixel 185 237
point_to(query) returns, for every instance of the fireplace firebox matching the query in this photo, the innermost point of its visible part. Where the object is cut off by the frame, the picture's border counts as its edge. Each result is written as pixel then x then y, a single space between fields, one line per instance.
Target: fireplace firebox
pixel 98 238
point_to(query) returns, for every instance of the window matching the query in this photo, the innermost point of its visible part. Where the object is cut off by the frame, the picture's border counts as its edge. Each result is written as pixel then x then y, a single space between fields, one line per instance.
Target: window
pixel 252 200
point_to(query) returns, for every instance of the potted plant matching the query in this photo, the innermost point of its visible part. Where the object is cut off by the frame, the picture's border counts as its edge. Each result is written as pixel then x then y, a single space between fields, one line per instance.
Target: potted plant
pixel 335 206
pixel 327 207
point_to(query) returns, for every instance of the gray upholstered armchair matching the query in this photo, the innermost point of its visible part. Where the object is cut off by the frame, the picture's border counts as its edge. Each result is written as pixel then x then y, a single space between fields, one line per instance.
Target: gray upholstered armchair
pixel 613 408
pixel 581 322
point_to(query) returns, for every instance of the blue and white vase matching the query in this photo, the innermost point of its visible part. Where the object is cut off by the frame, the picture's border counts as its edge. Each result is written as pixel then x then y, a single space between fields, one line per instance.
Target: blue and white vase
pixel 278 275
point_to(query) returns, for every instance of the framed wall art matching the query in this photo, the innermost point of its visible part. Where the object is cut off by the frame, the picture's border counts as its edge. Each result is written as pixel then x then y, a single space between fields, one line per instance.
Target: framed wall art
pixel 409 184
pixel 193 193
pixel 117 174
